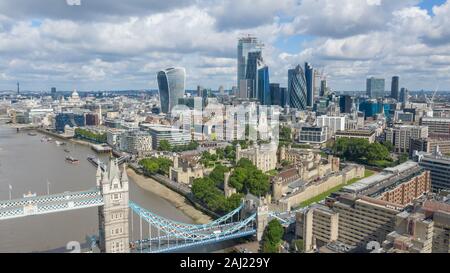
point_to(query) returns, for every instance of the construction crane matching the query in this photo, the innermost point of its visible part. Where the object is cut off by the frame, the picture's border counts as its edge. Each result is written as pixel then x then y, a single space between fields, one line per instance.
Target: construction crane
pixel 430 102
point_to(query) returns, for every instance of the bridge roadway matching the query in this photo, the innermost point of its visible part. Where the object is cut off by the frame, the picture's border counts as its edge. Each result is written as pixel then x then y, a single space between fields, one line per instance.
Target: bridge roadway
pixel 49 203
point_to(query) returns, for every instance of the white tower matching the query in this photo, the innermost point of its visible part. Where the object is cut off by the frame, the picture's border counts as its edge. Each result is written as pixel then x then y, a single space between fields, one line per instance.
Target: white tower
pixel 113 215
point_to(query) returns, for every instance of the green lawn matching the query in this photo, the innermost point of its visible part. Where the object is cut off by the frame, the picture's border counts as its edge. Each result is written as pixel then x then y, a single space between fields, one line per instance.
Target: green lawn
pixel 324 195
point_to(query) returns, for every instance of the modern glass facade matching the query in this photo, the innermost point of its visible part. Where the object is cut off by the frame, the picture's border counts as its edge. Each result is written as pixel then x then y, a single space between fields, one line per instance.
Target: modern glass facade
pixel 370 108
pixel 404 95
pixel 246 45
pixel 297 88
pixel 171 85
pixel 264 86
pixel 309 78
pixel 275 94
pixel 253 64
pixel 395 87
pixel 71 119
pixel 375 88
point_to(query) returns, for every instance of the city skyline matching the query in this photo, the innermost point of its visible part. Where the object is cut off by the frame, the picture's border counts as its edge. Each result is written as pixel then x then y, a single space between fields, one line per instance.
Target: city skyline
pixel 105 45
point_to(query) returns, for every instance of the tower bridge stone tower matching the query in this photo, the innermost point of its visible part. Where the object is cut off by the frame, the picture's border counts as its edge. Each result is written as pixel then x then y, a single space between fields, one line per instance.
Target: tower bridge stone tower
pixel 114 214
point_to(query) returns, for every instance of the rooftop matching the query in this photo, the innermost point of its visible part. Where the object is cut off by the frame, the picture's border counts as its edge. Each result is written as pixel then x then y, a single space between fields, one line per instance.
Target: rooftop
pixel 385 175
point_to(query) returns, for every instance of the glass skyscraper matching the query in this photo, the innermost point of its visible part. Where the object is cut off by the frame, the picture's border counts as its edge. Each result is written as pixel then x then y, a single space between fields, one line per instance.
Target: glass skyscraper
pixel 264 95
pixel 246 45
pixel 309 78
pixel 375 88
pixel 254 62
pixel 297 88
pixel 171 84
pixel 395 87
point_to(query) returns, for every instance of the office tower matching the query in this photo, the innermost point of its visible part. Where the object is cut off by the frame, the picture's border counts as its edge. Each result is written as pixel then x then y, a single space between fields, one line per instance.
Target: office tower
pixel 439 167
pixel 400 136
pixel 395 87
pixel 246 45
pixel 323 88
pixel 404 95
pixel 309 78
pixel 263 87
pixel 254 62
pixel 53 93
pixel 375 88
pixel 245 89
pixel 221 90
pixel 316 84
pixel 18 88
pixel 297 88
pixel 345 104
pixel 171 83
pixel 275 94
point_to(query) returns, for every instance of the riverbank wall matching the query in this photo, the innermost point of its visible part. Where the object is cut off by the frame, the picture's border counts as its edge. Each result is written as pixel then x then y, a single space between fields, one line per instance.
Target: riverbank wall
pixel 189 196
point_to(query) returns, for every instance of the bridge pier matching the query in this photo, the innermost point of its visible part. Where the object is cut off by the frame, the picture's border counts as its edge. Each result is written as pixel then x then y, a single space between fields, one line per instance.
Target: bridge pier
pixel 113 215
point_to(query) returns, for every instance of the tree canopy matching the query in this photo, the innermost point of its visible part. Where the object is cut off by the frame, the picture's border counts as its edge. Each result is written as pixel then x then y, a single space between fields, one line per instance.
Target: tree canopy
pixel 272 237
pixel 153 165
pixel 360 150
pixel 247 178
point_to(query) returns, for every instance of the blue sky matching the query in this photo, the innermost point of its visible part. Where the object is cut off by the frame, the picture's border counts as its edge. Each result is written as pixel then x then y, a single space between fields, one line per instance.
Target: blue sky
pixel 112 44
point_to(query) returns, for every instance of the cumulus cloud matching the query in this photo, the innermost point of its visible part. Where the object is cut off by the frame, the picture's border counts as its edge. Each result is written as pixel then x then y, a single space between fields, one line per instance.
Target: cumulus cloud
pixel 106 44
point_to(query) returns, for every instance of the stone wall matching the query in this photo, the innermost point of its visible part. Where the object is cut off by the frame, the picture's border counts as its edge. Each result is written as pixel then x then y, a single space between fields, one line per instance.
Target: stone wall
pixel 317 188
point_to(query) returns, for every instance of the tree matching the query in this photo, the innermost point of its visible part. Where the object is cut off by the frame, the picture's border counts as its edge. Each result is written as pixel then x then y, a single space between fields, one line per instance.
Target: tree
pixel 286 134
pixel 164 145
pixel 272 236
pixel 154 165
pixel 218 174
pixel 258 183
pixel 376 151
pixel 238 178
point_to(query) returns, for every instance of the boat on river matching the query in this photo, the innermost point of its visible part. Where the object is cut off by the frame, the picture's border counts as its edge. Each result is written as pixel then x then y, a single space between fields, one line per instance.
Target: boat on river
pixel 72 160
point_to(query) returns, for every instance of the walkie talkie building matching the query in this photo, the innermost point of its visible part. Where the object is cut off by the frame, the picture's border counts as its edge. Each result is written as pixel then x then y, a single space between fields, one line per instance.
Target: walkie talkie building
pixel 171 85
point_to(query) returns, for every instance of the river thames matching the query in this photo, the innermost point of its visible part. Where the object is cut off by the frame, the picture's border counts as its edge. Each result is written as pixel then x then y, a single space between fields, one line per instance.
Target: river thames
pixel 27 164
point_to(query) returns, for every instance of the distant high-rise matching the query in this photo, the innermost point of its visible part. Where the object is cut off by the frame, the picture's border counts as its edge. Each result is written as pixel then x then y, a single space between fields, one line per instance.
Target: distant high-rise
pixel 395 87
pixel 18 88
pixel 264 96
pixel 246 45
pixel 297 88
pixel 375 88
pixel 53 93
pixel 254 62
pixel 345 104
pixel 404 95
pixel 323 88
pixel 171 84
pixel 309 78
pixel 275 93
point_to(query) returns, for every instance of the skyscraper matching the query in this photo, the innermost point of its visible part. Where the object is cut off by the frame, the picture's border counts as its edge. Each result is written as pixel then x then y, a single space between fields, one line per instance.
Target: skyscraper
pixel 323 88
pixel 275 94
pixel 246 45
pixel 395 87
pixel 297 88
pixel 404 95
pixel 264 95
pixel 375 88
pixel 53 93
pixel 171 84
pixel 309 79
pixel 254 62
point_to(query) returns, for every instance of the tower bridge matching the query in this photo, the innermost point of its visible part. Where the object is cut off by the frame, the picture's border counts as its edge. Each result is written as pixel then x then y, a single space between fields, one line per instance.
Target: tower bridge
pixel 111 196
